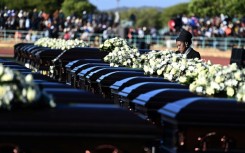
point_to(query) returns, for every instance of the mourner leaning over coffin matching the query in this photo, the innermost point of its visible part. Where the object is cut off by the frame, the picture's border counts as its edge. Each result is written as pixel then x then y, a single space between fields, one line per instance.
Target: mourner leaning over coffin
pixel 183 43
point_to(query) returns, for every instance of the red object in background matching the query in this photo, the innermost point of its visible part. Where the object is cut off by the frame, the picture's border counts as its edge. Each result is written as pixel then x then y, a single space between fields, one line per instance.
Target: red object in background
pixel 171 25
pixel 217 60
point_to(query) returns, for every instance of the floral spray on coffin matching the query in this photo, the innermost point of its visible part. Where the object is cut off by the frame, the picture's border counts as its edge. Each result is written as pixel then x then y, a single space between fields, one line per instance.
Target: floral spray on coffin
pixel 220 81
pixel 121 53
pixel 20 92
pixel 62 44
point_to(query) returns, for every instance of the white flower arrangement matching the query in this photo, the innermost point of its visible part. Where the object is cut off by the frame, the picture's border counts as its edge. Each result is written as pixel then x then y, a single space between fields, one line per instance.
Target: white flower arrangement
pixel 60 43
pixel 240 95
pixel 19 90
pixel 203 78
pixel 120 53
pixel 116 44
pixel 219 80
pixel 122 57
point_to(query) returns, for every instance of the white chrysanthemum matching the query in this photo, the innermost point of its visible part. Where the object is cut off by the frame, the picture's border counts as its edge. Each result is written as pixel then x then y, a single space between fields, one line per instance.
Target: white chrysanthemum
pixel 199 89
pixel 7 77
pixel 2 91
pixel 210 91
pixel 173 71
pixel 159 72
pixel 29 78
pixel 238 75
pixel 215 85
pixel 230 91
pixel 202 81
pixel 106 58
pixel 1 69
pixel 31 94
pixel 182 79
pixel 9 97
pixel 219 79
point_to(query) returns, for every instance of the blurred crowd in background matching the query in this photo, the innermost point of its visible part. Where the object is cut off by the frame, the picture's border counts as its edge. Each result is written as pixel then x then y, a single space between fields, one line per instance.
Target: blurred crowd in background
pixel 71 26
pixel 107 24
pixel 217 26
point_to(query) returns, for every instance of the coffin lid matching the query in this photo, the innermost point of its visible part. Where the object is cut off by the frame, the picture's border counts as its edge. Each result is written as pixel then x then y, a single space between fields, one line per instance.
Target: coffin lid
pixel 22 44
pixel 87 65
pixel 31 48
pixel 204 110
pixel 105 70
pixel 122 83
pixel 49 53
pixel 143 87
pixel 81 61
pixel 109 78
pixel 159 97
pixel 72 95
pixel 82 52
pixel 38 76
pixel 47 84
pixel 89 69
pixel 83 120
pixel 71 63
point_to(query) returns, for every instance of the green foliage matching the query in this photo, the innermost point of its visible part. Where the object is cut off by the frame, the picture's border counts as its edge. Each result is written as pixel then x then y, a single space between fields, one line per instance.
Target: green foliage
pixel 149 17
pixel 17 4
pixel 216 7
pixel 205 8
pixel 48 5
pixel 173 11
pixel 77 7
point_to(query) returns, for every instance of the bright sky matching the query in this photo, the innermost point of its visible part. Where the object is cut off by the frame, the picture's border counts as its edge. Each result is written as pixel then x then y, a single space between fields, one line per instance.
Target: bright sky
pixel 110 4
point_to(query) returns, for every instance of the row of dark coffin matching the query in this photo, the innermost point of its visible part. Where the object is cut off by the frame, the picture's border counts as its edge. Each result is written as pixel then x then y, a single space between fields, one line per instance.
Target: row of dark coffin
pixel 187 122
pixel 41 58
pixel 81 121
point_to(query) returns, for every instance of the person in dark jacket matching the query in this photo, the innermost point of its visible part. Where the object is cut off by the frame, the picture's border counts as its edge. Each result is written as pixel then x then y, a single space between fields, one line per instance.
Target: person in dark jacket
pixel 183 42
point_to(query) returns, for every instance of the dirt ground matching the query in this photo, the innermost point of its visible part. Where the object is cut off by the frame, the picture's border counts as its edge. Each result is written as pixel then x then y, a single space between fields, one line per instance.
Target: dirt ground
pixel 214 55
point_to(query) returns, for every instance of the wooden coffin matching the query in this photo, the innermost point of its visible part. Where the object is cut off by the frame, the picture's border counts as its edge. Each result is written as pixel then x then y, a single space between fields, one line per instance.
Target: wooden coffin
pixel 73 74
pixel 105 81
pixel 93 76
pixel 18 48
pixel 47 84
pixel 83 81
pixel 31 56
pixel 39 77
pixel 43 58
pixel 74 54
pixel 203 125
pixel 29 53
pixel 75 129
pixel 72 64
pixel 71 95
pixel 131 92
pixel 121 84
pixel 146 105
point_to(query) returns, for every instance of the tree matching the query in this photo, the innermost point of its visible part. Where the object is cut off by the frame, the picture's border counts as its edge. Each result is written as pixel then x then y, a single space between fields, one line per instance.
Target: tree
pixel 233 7
pixel 173 11
pixel 17 4
pixel 49 6
pixel 77 7
pixel 149 17
pixel 216 7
